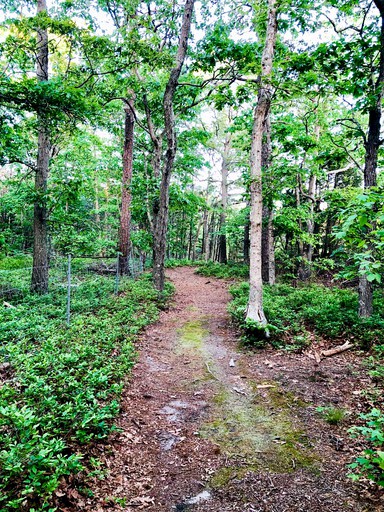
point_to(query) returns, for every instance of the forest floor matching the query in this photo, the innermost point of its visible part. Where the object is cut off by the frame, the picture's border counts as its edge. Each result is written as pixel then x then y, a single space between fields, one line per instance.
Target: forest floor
pixel 209 427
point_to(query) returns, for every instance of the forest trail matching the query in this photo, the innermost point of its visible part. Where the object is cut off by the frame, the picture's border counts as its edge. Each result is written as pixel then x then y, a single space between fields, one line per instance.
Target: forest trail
pixel 207 427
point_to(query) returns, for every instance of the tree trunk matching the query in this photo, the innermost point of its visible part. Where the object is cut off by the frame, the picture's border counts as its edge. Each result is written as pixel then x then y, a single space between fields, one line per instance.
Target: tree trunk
pixel 255 312
pixel 39 282
pixel 161 218
pixel 267 247
pixel 126 196
pixel 199 226
pixel 222 250
pixel 246 243
pixel 371 153
pixel 267 240
pixel 205 239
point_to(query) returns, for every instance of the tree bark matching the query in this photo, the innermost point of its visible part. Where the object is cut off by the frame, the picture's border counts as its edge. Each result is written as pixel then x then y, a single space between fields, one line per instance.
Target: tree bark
pixel 267 248
pixel 39 282
pixel 161 217
pixel 255 312
pixel 222 247
pixel 126 196
pixel 246 241
pixel 267 239
pixel 372 146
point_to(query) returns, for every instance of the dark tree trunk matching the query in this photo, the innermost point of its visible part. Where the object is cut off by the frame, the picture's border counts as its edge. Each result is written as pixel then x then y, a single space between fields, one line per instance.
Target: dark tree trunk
pixel 39 282
pixel 126 196
pixel 372 145
pixel 161 217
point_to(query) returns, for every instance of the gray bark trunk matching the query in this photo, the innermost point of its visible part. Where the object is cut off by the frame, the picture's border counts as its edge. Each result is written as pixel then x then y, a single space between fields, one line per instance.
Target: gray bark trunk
pixel 39 282
pixel 267 240
pixel 255 312
pixel 222 248
pixel 126 196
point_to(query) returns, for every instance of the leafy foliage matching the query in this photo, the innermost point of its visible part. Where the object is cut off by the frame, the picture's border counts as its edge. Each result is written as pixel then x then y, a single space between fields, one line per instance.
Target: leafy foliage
pixel 229 271
pixel 293 313
pixel 61 386
pixel 371 463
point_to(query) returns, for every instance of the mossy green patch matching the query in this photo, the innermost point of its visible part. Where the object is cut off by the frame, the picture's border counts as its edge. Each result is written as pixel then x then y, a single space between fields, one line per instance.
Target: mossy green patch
pixel 261 436
pixel 191 337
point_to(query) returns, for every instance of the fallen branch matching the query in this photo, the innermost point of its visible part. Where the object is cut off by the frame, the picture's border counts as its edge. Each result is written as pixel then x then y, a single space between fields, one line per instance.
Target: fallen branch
pixel 337 350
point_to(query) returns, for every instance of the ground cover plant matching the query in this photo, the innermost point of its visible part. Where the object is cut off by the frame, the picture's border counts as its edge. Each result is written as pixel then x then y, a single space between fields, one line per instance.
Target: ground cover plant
pixel 371 463
pixel 228 271
pixel 296 312
pixel 61 385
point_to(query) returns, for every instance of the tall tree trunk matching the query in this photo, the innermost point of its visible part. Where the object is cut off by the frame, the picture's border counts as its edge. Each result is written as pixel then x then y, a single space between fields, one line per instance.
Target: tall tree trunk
pixel 246 241
pixel 126 196
pixel 222 248
pixel 372 145
pixel 39 282
pixel 311 197
pixel 267 239
pixel 199 226
pixel 205 239
pixel 211 238
pixel 268 248
pixel 255 312
pixel 161 220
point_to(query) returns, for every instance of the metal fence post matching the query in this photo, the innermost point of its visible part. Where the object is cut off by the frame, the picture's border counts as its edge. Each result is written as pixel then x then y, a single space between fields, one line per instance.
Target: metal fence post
pixel 131 266
pixel 117 275
pixel 69 291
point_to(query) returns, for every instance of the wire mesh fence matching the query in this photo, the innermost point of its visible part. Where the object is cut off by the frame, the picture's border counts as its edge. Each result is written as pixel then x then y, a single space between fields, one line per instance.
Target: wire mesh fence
pixel 69 277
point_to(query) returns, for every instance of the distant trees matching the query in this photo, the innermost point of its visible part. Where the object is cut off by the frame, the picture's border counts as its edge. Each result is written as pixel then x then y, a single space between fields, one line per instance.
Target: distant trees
pixel 118 149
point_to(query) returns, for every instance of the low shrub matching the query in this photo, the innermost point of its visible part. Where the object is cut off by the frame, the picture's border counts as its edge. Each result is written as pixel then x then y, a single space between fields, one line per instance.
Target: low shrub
pixel 371 463
pixel 295 312
pixel 15 262
pixel 332 415
pixel 229 271
pixel 184 262
pixel 61 386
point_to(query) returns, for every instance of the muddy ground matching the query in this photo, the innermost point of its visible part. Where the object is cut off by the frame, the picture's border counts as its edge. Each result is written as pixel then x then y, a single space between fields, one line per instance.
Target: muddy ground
pixel 207 427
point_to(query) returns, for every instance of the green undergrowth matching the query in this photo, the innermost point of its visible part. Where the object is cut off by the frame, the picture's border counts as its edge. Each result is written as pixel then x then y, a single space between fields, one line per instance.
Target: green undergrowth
pixel 15 262
pixel 294 314
pixel 228 271
pixel 184 262
pixel 61 386
pixel 212 268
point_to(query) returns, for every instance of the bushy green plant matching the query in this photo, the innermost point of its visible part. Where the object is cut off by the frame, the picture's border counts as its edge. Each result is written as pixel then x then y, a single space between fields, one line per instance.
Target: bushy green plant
pixel 371 463
pixel 62 386
pixel 15 262
pixel 294 312
pixel 184 262
pixel 228 271
pixel 332 415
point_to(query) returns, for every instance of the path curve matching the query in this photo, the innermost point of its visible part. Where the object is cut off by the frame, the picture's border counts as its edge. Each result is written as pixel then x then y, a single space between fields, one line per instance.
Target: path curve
pixel 205 428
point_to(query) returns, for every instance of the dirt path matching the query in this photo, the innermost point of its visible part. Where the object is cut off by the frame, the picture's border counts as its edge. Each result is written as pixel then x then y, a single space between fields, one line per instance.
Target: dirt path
pixel 205 427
